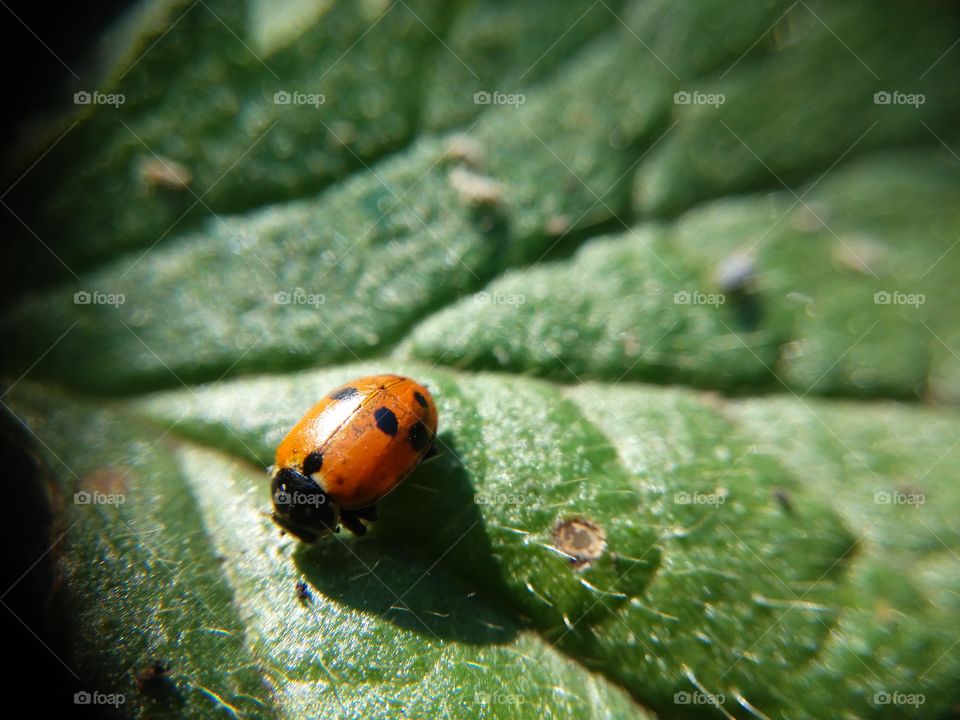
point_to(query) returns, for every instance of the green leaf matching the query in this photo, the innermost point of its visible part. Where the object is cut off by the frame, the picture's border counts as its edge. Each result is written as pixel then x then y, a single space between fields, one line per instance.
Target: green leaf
pixel 678 282
pixel 811 322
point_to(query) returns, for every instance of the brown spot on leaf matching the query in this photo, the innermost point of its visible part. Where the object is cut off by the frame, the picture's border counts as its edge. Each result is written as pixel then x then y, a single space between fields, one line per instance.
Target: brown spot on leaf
pixel 582 540
pixel 107 480
pixel 162 172
pixel 151 677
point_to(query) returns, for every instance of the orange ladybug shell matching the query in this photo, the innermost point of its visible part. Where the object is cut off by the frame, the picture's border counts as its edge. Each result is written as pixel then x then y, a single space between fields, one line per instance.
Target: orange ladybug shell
pixel 366 437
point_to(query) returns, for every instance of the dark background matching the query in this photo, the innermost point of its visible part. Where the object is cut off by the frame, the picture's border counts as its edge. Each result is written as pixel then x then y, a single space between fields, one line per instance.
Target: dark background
pixel 36 83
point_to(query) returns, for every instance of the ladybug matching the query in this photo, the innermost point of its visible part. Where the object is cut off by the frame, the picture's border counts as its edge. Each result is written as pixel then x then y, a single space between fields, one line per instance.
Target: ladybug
pixel 350 449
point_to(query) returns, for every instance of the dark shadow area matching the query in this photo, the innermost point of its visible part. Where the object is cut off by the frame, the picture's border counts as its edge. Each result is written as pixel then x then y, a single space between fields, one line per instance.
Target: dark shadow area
pixel 426 566
pixel 567 243
pixel 46 37
pixel 497 236
pixel 46 43
pixel 746 306
pixel 378 577
pixel 33 623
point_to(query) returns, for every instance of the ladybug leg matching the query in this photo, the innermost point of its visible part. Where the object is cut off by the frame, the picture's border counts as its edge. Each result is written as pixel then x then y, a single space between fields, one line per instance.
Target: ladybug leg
pixel 366 513
pixel 431 451
pixel 351 521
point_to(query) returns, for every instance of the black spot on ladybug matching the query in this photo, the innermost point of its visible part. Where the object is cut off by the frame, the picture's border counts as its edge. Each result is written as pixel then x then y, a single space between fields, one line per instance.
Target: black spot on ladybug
pixel 386 420
pixel 421 400
pixel 313 462
pixel 344 393
pixel 418 436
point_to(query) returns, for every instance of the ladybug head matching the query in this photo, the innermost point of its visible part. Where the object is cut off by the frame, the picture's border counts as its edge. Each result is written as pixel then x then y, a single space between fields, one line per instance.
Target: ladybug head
pixel 300 506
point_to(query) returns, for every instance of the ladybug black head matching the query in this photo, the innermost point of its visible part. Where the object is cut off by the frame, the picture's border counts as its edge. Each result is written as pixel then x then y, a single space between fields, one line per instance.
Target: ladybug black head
pixel 300 506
